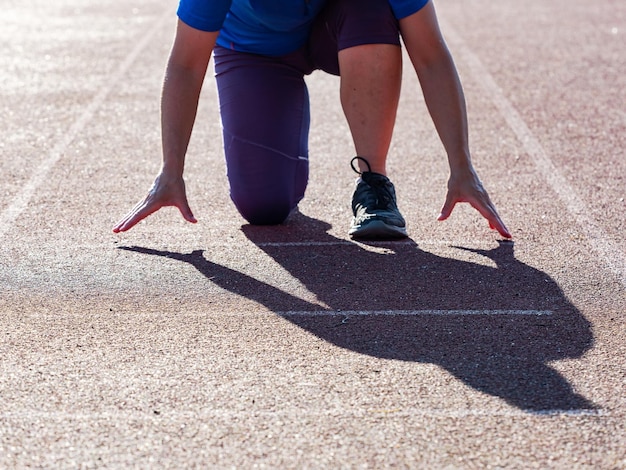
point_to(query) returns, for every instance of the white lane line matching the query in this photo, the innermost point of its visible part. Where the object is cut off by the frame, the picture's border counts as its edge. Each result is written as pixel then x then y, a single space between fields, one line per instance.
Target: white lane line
pixel 409 313
pixel 305 244
pixel 125 416
pixel 78 242
pixel 612 255
pixel 22 198
pixel 378 244
pixel 177 315
pixel 334 243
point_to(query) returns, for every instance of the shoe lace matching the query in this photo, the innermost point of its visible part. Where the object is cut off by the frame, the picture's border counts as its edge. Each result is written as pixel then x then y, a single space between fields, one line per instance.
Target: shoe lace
pixel 380 188
pixel 355 169
pixel 379 185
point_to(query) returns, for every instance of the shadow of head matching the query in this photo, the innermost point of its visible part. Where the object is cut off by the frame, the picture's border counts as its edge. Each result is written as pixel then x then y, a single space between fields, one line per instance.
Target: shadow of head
pixel 494 325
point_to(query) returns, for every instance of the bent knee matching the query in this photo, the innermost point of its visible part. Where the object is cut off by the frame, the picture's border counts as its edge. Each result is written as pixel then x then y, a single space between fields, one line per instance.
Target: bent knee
pixel 263 212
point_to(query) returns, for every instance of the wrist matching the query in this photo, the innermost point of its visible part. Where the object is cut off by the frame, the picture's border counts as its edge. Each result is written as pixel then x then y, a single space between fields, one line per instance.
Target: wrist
pixel 172 170
pixel 460 163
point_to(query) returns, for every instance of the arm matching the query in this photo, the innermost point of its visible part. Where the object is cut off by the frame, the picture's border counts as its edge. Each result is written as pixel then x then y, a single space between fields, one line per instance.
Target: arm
pixel 184 76
pixel 444 98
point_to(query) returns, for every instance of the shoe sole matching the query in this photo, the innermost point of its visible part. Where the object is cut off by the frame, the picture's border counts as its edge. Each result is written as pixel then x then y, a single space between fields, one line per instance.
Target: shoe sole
pixel 377 230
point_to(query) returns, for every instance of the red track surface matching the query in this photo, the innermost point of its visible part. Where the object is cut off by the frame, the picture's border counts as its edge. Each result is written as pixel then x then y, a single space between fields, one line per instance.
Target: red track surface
pixel 220 344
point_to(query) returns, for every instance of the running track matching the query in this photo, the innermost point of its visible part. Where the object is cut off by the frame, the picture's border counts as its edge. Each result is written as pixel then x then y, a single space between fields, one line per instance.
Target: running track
pixel 224 345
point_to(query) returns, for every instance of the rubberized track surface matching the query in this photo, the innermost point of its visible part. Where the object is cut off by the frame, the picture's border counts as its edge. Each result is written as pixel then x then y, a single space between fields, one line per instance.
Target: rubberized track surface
pixel 225 345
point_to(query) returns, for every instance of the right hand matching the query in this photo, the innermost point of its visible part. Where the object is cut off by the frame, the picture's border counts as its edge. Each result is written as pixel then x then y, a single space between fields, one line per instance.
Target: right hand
pixel 166 191
pixel 467 187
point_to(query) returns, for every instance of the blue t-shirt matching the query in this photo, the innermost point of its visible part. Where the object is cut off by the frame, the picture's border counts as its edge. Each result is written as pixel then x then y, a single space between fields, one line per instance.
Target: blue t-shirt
pixel 269 27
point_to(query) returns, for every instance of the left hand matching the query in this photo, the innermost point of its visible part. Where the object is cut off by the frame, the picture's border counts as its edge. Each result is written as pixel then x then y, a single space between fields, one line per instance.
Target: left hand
pixel 467 187
pixel 166 191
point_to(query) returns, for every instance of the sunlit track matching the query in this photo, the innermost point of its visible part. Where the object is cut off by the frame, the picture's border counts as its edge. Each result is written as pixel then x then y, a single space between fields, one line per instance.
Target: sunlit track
pixel 226 345
pixel 612 255
pixel 22 199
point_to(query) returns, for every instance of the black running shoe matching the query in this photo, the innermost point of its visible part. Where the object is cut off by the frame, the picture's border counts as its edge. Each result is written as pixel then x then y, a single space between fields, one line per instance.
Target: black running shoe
pixel 376 214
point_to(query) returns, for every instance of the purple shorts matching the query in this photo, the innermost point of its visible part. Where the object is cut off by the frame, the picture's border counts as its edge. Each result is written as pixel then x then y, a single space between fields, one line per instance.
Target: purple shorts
pixel 264 106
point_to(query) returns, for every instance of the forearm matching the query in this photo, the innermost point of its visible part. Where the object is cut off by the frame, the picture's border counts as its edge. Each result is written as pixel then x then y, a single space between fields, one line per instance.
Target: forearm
pixel 184 76
pixel 445 101
pixel 179 104
pixel 446 104
pixel 440 83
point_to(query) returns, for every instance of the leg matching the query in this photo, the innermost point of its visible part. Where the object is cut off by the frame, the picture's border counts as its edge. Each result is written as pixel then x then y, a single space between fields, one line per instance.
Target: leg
pixel 264 107
pixel 364 35
pixel 370 91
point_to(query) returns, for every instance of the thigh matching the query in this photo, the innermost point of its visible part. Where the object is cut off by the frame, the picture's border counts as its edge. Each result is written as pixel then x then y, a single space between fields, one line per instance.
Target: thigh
pixel 349 23
pixel 263 100
pixel 264 107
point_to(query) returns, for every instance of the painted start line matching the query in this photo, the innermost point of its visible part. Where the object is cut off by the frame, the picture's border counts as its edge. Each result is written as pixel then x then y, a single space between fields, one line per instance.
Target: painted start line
pixel 408 313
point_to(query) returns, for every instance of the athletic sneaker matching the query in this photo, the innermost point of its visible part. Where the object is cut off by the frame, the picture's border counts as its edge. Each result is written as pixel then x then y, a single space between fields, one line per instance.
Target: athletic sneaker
pixel 376 214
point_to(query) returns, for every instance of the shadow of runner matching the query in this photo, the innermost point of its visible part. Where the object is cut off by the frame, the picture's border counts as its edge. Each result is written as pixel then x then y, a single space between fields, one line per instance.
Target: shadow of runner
pixel 502 355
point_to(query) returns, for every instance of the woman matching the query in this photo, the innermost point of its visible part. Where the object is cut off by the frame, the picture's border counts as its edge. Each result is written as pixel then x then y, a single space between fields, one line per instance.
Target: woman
pixel 262 51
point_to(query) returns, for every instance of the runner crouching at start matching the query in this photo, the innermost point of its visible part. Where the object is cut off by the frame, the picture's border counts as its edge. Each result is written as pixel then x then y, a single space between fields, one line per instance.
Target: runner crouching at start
pixel 262 51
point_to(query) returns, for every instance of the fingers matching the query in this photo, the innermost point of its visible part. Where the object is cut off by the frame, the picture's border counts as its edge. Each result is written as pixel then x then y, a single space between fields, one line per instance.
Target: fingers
pixel 136 215
pixel 447 208
pixel 164 192
pixel 489 212
pixel 185 211
pixel 500 227
pixel 481 202
pixel 144 209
